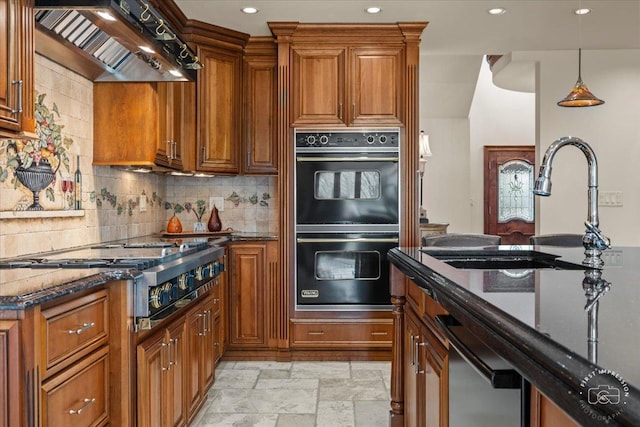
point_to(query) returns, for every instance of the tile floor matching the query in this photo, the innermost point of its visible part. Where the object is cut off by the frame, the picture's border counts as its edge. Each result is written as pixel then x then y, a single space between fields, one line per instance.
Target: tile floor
pixel 298 394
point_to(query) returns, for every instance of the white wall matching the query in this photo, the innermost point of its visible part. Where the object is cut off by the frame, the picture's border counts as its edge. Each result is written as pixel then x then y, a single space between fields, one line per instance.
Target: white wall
pixel 454 174
pixel 612 130
pixel 453 181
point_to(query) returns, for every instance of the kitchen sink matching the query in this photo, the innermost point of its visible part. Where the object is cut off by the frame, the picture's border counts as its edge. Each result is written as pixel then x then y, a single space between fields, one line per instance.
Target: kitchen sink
pixel 481 259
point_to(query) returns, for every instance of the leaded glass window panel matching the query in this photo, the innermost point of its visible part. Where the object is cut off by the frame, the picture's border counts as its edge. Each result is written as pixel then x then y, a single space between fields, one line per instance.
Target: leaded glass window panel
pixel 515 195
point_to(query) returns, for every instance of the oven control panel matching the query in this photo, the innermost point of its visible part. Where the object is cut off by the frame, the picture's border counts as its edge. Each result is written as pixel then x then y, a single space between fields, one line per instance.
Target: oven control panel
pixel 389 138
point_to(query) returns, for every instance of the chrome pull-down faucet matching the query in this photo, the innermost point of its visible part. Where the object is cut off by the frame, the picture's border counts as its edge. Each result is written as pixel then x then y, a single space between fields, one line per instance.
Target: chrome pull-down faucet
pixel 593 240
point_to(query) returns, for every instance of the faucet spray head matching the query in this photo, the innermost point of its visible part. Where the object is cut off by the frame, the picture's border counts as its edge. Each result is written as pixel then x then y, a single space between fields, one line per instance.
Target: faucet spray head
pixel 542 187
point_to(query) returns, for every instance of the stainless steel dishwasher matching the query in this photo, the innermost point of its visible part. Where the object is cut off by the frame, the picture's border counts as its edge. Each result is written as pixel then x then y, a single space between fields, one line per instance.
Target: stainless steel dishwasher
pixel 484 391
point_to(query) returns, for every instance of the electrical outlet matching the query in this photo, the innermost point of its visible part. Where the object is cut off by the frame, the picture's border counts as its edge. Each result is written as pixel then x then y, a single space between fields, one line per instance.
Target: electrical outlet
pixel 143 203
pixel 218 202
pixel 610 198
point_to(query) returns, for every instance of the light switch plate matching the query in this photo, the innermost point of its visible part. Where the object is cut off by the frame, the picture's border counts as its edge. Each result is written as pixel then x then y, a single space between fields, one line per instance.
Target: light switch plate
pixel 143 203
pixel 610 198
pixel 218 202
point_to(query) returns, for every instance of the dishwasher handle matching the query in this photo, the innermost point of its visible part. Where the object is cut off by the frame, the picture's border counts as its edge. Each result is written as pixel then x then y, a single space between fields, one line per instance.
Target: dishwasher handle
pixel 498 378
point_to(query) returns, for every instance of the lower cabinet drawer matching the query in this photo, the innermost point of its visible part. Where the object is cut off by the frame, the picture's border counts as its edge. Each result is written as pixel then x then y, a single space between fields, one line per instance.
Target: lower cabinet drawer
pixel 78 396
pixel 342 334
pixel 73 329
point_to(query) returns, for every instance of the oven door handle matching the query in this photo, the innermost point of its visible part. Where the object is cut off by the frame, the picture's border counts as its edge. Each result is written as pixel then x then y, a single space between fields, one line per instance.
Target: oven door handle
pixel 348 240
pixel 498 378
pixel 347 159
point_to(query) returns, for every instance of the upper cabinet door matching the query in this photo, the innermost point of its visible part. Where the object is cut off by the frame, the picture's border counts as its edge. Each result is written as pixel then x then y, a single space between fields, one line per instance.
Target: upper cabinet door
pixel 376 86
pixel 16 67
pixel 219 109
pixel 260 110
pixel 318 86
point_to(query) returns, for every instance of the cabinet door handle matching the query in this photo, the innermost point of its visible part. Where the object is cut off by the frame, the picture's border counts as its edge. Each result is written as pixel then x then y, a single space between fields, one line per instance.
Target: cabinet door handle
pixel 18 108
pixel 419 344
pixel 174 342
pixel 248 158
pixel 207 318
pixel 340 111
pixel 315 333
pixel 378 333
pixel 411 355
pixel 353 111
pixel 204 153
pixel 87 402
pixel 168 149
pixel 167 355
pixel 81 329
pixel 203 330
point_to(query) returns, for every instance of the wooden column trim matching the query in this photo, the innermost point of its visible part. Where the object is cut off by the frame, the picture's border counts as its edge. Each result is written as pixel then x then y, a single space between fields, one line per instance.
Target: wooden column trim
pixel 397 287
pixel 282 32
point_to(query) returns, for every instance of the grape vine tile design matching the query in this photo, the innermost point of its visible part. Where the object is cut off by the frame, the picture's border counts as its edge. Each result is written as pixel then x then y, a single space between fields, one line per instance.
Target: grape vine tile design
pixel 52 147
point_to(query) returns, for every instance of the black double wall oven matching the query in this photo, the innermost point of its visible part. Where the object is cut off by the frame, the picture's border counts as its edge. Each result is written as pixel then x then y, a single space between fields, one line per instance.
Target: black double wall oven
pixel 347 217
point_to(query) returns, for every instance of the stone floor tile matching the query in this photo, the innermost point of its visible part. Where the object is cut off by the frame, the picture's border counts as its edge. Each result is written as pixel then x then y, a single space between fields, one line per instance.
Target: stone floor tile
pixel 225 365
pixel 372 413
pixel 288 384
pixel 239 420
pixel 296 420
pixel 274 374
pixel 301 401
pixel 320 370
pixel 259 364
pixel 366 374
pixel 346 389
pixel 381 366
pixel 334 414
pixel 236 378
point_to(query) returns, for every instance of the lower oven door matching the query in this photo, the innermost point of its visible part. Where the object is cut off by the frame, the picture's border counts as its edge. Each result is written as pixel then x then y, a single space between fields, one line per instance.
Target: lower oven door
pixel 346 271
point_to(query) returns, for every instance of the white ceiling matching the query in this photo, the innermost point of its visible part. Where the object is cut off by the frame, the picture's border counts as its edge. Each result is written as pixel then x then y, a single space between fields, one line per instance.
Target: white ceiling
pixel 459 32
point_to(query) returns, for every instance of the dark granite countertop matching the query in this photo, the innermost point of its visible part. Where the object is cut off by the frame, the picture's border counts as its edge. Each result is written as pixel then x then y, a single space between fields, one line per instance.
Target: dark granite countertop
pixel 241 236
pixel 537 320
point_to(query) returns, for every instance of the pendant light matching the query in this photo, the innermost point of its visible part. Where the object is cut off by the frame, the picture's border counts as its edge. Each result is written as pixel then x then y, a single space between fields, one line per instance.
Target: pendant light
pixel 580 95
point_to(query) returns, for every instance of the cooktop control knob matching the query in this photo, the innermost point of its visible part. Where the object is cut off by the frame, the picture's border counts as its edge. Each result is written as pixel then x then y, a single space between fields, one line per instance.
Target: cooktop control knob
pixel 371 139
pixel 324 139
pixel 383 139
pixel 154 297
pixel 310 140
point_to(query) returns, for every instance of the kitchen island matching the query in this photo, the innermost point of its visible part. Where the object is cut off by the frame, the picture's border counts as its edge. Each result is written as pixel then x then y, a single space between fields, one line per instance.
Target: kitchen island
pixel 567 332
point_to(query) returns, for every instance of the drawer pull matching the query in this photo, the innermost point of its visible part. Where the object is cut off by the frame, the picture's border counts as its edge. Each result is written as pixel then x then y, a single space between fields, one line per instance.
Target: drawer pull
pixel 87 403
pixel 316 333
pixel 379 333
pixel 81 329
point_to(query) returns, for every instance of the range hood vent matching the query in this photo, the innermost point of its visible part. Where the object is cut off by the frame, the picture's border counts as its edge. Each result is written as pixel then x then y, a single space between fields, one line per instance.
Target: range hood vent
pixel 109 40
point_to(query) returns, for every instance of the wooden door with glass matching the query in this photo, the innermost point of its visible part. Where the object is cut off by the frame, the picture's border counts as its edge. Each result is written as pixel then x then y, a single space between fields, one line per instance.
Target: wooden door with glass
pixel 509 209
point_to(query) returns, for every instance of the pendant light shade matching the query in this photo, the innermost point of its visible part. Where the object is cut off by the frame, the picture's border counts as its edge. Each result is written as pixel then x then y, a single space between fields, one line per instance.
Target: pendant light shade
pixel 580 95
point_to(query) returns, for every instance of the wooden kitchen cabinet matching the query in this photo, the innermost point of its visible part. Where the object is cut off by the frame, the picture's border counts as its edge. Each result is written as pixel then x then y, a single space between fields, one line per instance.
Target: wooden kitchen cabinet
pixel 219 109
pixel 17 113
pixel 545 413
pixel 161 378
pixel 10 413
pixel 260 149
pixel 345 85
pixel 201 360
pixel 140 124
pixel 251 283
pixel 425 375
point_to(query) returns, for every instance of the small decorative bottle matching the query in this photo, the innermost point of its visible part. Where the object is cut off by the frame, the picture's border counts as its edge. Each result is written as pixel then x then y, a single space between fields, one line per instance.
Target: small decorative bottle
pixel 214 223
pixel 77 189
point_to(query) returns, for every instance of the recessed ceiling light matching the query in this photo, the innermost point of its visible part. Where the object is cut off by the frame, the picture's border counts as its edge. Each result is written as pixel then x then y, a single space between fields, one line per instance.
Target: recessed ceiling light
pixel 582 11
pixel 373 10
pixel 105 15
pixel 497 11
pixel 249 10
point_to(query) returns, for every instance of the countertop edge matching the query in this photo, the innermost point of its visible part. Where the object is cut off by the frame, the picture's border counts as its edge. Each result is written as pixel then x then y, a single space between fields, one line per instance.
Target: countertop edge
pixel 25 301
pixel 553 369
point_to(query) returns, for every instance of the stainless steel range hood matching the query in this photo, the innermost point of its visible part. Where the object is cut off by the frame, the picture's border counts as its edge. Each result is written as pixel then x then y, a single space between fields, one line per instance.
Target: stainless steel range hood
pixel 113 40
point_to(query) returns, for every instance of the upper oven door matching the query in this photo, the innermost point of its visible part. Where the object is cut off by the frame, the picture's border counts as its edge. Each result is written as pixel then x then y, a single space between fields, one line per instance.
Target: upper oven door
pixel 347 188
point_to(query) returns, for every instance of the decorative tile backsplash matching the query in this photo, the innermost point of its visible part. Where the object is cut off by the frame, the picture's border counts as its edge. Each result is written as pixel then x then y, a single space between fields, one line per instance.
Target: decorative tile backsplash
pixel 111 196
